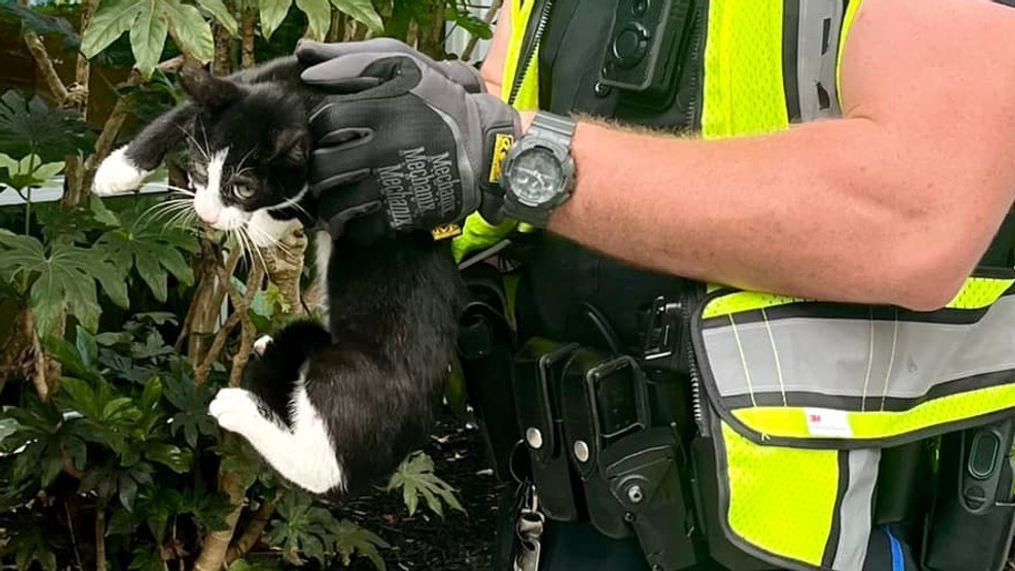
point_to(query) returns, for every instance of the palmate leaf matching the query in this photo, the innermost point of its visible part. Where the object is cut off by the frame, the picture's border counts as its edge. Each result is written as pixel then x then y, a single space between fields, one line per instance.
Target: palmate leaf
pixel 149 23
pixel 148 36
pixel 362 11
pixel 63 280
pixel 31 126
pixel 155 251
pixel 218 9
pixel 318 17
pixel 351 539
pixel 42 24
pixel 273 13
pixel 416 478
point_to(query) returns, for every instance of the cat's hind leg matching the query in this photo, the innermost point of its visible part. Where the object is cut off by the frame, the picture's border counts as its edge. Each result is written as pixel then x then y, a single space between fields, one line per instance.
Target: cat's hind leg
pixel 273 373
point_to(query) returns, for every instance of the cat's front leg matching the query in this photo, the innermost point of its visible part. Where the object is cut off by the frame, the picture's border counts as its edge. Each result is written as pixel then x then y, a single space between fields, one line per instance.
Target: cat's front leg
pixel 118 174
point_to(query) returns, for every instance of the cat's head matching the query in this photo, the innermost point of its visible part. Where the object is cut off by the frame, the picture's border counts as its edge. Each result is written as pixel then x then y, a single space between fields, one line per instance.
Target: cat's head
pixel 248 147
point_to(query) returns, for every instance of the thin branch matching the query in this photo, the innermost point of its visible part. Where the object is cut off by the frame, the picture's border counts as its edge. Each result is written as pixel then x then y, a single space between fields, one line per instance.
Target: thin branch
pixel 247 329
pixel 45 66
pixel 39 374
pixel 488 19
pixel 255 528
pixel 215 351
pixel 100 538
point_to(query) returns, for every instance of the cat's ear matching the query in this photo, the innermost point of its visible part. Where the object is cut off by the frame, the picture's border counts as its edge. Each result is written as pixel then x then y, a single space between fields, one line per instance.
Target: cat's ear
pixel 290 146
pixel 206 90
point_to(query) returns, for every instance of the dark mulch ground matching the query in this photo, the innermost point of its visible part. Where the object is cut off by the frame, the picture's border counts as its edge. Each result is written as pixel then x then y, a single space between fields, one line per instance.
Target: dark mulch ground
pixel 459 542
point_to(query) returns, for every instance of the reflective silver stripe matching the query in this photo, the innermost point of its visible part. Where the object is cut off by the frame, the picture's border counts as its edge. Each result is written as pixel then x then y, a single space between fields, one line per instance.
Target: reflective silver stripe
pixel 854 357
pixel 855 511
pixel 817 56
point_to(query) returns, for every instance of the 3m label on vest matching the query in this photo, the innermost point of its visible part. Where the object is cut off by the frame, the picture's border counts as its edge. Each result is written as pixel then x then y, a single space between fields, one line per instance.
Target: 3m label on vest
pixel 828 422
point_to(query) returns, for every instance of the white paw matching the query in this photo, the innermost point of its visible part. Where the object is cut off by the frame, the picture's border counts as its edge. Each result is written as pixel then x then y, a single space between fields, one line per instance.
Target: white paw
pixel 117 175
pixel 261 345
pixel 235 410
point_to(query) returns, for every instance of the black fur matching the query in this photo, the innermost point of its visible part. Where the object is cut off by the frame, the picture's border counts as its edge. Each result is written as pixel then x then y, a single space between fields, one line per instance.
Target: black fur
pixel 374 374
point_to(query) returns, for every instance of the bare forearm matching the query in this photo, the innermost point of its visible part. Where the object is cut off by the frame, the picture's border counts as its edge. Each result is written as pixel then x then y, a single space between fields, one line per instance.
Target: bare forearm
pixel 820 211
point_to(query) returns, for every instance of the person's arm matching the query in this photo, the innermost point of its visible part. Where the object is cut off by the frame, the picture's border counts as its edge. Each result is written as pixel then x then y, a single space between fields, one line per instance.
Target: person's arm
pixel 493 65
pixel 895 203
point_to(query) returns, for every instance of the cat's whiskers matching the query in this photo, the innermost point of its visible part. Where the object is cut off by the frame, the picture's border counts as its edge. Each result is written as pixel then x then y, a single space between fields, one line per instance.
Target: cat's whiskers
pixel 163 208
pixel 272 240
pixel 175 189
pixel 254 246
pixel 201 149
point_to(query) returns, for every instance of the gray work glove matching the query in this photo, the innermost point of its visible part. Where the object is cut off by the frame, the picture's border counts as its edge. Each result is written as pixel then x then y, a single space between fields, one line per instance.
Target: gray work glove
pixel 403 144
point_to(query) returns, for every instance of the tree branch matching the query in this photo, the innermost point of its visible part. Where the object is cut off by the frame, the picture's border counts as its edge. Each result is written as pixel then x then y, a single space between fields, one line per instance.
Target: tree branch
pixel 216 543
pixel 488 18
pixel 255 528
pixel 45 66
pixel 247 329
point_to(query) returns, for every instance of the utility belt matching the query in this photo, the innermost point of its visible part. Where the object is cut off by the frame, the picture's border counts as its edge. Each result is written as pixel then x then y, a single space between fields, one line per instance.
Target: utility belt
pixel 762 431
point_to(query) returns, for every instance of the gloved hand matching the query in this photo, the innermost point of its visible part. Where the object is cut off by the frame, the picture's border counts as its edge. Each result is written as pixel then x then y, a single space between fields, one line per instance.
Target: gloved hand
pixel 406 143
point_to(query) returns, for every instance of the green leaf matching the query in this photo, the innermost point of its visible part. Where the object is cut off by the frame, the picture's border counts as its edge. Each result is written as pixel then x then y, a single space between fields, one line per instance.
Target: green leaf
pixel 47 171
pixel 273 13
pixel 64 280
pixel 9 164
pixel 151 272
pixel 350 539
pixel 103 214
pixel 169 455
pixel 318 17
pixel 113 18
pixel 190 30
pixel 86 346
pixel 127 492
pixel 221 13
pixel 361 10
pixel 415 476
pixel 148 37
pixel 33 126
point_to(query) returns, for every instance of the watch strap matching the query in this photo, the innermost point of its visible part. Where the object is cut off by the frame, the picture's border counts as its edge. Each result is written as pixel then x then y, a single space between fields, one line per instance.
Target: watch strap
pixel 553 127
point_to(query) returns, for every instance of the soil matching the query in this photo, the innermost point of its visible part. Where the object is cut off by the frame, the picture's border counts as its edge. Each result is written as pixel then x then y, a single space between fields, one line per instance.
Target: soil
pixel 459 542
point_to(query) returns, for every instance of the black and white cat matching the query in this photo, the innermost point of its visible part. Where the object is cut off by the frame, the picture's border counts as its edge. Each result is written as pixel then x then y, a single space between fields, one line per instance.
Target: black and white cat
pixel 330 409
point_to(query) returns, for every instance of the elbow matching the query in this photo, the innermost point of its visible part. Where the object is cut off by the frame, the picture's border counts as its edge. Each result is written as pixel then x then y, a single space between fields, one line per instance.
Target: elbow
pixel 926 274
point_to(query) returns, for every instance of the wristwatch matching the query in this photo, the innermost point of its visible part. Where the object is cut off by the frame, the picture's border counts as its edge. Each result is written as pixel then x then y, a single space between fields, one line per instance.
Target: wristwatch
pixel 539 172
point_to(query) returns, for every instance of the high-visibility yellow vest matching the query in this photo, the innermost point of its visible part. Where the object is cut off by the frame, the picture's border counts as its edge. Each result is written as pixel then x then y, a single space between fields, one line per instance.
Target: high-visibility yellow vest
pixel 804 394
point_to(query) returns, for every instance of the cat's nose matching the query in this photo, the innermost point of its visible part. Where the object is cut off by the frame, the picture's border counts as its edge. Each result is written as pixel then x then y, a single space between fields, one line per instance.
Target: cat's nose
pixel 207 212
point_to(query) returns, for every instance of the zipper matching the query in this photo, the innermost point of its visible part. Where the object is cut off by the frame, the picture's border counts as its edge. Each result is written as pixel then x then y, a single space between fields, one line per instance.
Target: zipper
pixel 529 49
pixel 689 303
pixel 693 118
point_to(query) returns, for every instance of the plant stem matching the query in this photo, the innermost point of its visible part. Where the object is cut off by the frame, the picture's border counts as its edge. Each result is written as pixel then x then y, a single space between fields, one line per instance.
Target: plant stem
pixel 255 528
pixel 73 536
pixel 100 537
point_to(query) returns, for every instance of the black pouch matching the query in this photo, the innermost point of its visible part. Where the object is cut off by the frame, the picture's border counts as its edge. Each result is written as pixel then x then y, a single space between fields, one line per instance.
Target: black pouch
pixel 485 345
pixel 538 370
pixel 630 471
pixel 973 517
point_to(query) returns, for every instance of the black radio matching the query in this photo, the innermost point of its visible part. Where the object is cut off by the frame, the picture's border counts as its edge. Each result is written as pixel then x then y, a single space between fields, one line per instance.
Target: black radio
pixel 647 41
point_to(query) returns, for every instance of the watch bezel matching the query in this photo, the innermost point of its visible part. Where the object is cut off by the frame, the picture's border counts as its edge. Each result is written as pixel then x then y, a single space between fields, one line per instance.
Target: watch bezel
pixel 564 160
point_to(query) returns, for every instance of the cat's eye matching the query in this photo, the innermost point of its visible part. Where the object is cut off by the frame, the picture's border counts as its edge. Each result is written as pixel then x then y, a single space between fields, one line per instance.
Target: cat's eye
pixel 243 191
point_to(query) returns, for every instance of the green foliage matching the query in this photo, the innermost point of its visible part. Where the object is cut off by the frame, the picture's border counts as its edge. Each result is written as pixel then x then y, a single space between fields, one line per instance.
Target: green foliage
pixel 146 243
pixel 416 478
pixel 30 171
pixel 458 13
pixel 43 24
pixel 318 12
pixel 30 126
pixel 305 530
pixel 62 278
pixel 149 23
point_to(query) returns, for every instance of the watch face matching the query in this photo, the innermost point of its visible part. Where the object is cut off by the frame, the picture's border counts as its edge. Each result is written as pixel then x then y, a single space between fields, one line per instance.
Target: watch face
pixel 536 176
